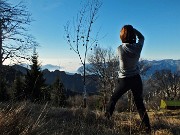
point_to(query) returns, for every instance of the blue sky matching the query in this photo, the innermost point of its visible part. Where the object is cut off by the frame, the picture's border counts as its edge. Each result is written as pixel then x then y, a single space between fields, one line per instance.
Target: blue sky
pixel 158 20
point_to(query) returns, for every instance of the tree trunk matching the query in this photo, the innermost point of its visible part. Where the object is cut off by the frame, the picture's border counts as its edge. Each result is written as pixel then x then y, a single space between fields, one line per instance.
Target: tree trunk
pixel 0 54
pixel 85 93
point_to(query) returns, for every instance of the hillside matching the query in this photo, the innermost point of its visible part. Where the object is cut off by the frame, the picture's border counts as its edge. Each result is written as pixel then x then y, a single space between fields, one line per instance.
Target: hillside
pixel 32 119
pixel 71 82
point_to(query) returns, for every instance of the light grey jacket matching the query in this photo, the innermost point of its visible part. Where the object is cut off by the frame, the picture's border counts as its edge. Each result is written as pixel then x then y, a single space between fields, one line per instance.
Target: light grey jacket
pixel 129 55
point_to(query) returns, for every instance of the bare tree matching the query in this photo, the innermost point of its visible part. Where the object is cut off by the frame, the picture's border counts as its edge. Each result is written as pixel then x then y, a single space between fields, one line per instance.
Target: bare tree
pixel 104 64
pixel 166 84
pixel 15 43
pixel 14 40
pixel 81 38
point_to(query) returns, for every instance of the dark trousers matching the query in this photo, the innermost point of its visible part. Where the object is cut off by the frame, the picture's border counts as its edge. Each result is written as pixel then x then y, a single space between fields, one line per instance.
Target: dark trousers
pixel 134 84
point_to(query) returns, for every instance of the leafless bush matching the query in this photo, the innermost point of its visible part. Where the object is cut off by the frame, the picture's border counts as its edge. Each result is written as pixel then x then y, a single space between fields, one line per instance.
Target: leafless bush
pixel 75 101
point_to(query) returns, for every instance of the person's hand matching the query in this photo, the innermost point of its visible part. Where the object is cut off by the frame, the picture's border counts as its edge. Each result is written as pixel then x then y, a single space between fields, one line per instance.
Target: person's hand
pixel 138 34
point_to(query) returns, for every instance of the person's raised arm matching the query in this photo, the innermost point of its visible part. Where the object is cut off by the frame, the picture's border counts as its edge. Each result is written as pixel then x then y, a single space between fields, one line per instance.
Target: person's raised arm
pixel 140 37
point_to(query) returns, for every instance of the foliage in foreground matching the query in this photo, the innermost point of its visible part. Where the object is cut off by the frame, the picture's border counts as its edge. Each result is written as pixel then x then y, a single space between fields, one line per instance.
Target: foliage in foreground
pixel 30 119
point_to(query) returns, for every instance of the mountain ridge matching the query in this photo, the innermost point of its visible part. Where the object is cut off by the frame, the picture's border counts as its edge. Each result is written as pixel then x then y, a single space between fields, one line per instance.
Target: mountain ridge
pixel 171 64
pixel 74 81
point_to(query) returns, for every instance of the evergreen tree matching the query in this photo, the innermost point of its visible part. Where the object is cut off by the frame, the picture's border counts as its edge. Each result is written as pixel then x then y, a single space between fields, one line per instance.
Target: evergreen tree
pixel 3 91
pixel 34 81
pixel 46 94
pixel 58 93
pixel 18 89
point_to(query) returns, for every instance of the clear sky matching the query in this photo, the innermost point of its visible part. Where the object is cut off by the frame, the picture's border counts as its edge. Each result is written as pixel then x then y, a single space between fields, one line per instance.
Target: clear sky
pixel 158 20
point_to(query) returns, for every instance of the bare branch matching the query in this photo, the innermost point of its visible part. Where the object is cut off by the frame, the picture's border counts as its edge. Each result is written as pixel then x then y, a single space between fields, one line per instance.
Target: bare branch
pixel 13 31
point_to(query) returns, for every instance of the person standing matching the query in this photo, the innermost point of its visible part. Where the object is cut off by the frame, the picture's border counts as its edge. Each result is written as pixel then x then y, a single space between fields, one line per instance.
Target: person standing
pixel 129 73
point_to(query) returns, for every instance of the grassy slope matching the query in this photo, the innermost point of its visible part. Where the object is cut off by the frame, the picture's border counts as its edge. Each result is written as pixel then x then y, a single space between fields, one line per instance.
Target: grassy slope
pixel 26 118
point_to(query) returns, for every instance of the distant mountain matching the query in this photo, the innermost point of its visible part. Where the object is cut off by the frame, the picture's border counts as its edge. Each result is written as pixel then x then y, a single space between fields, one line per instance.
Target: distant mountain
pixel 10 73
pixel 173 65
pixel 20 68
pixel 74 82
pixel 50 67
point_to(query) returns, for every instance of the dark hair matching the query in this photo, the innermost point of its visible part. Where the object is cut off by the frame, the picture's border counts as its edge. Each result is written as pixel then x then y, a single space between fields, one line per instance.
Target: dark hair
pixel 127 34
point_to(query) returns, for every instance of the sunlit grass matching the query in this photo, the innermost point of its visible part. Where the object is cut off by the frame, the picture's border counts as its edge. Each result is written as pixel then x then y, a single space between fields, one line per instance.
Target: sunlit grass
pixel 32 119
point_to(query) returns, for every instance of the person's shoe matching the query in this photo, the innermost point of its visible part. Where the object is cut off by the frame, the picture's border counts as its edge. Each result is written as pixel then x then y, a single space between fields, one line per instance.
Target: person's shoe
pixel 148 130
pixel 107 115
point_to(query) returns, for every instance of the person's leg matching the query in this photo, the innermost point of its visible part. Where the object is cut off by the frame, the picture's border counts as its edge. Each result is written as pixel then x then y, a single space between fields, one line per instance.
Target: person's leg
pixel 120 89
pixel 137 93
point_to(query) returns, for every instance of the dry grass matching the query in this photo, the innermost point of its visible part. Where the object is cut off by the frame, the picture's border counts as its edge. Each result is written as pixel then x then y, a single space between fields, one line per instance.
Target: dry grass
pixel 166 122
pixel 30 119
